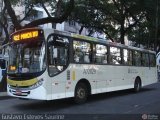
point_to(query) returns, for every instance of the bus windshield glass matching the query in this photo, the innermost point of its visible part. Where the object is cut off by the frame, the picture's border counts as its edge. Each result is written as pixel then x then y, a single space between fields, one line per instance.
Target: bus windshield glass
pixel 27 57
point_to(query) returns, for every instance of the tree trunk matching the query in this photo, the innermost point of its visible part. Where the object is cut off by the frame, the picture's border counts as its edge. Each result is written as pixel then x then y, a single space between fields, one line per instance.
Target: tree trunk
pixel 12 14
pixel 6 32
pixel 81 29
pixel 57 12
pixel 122 31
pixel 58 19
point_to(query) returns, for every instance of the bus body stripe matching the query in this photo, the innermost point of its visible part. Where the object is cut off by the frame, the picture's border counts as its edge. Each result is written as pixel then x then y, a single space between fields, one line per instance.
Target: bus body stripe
pixel 22 83
pixel 73 75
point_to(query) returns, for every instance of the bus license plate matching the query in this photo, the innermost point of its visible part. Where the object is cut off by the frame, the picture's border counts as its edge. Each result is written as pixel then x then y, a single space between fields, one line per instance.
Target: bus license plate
pixel 18 92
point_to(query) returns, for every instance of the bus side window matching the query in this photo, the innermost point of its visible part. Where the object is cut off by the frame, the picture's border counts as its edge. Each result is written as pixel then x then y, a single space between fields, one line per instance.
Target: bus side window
pixel 130 58
pixel 78 55
pixel 101 54
pixel 81 52
pixel 127 57
pixel 152 60
pixel 134 59
pixel 145 60
pixel 115 55
pixel 86 58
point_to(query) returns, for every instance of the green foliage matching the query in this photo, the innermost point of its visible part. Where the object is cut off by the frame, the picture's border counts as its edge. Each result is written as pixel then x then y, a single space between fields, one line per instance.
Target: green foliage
pixel 15 2
pixel 113 17
pixel 145 33
pixel 29 11
pixel 119 18
pixel 116 18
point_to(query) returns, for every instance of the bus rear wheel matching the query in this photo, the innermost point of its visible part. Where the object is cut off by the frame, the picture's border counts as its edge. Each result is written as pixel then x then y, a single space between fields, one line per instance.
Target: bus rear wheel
pixel 81 93
pixel 137 85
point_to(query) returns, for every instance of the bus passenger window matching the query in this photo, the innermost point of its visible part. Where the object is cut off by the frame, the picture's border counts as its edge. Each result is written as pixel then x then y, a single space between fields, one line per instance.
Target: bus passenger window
pixel 127 57
pixel 86 58
pixel 81 52
pixel 115 55
pixel 137 58
pixel 78 55
pixel 101 54
pixel 152 60
pixel 145 59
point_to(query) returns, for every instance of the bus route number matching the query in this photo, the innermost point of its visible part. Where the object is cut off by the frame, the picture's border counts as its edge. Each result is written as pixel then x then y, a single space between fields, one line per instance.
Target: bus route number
pixel 89 71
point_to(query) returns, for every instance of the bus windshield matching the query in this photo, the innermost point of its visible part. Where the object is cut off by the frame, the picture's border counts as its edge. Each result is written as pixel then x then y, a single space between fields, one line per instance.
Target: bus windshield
pixel 27 57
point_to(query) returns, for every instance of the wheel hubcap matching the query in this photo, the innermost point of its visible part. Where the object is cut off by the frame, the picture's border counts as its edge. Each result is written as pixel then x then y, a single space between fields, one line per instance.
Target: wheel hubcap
pixel 81 93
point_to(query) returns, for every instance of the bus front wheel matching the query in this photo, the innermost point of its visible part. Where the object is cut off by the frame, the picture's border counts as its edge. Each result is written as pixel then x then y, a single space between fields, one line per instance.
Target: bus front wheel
pixel 81 93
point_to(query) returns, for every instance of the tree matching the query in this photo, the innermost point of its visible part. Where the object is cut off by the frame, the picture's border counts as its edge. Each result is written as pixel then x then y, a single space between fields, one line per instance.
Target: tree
pixel 41 21
pixel 61 15
pixel 116 18
pixel 3 21
pixel 113 17
pixel 152 10
pixel 147 33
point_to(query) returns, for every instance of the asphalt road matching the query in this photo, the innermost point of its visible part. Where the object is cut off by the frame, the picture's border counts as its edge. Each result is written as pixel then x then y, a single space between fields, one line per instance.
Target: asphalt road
pixel 121 104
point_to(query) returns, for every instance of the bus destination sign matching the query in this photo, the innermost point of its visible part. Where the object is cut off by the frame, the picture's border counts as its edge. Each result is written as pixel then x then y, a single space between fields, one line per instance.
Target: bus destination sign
pixel 25 35
pixel 29 34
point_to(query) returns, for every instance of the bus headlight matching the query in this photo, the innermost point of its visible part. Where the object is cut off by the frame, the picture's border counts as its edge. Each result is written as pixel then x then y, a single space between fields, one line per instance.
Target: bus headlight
pixel 37 84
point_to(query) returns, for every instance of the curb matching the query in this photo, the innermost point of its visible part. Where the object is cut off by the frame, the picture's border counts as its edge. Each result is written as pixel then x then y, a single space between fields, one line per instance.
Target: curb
pixel 3 94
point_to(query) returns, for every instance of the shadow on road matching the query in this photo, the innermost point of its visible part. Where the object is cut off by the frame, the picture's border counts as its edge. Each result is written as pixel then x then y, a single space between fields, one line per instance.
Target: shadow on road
pixel 5 97
pixel 52 106
pixel 36 106
pixel 116 94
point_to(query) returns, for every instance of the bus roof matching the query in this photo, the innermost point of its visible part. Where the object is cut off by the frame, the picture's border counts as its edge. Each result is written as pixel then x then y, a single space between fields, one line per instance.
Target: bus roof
pixel 102 41
pixel 48 31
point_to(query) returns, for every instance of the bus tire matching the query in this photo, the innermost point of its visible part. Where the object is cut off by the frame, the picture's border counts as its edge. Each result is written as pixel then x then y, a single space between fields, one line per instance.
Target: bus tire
pixel 81 93
pixel 137 85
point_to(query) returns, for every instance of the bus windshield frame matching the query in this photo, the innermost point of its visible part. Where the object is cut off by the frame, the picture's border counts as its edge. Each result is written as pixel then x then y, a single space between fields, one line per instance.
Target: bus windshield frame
pixel 27 57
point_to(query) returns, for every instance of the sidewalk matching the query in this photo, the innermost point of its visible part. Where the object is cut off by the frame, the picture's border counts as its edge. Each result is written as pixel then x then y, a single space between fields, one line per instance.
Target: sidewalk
pixel 2 94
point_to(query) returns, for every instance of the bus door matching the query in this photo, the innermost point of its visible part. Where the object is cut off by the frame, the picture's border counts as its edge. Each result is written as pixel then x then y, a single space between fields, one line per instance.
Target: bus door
pixel 58 61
